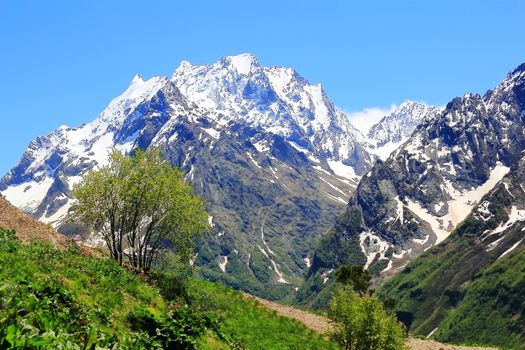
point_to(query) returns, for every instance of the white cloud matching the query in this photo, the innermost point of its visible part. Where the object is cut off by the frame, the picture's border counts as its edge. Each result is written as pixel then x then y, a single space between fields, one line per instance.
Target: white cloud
pixel 363 120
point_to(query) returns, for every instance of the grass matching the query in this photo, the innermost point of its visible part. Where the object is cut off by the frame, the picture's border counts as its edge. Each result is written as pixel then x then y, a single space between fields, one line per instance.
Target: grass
pixel 493 309
pixel 62 299
pixel 249 325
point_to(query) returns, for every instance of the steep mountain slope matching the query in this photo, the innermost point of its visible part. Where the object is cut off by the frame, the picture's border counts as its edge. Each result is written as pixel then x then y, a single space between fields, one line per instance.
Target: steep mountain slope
pixel 272 156
pixel 470 287
pixel 394 129
pixel 425 188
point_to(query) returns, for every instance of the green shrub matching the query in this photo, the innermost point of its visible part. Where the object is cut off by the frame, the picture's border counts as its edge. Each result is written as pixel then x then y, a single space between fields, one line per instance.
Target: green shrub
pixel 362 323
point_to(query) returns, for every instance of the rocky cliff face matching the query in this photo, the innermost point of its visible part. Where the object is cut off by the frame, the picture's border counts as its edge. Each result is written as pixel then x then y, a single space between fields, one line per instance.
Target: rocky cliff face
pixel 470 287
pixel 415 198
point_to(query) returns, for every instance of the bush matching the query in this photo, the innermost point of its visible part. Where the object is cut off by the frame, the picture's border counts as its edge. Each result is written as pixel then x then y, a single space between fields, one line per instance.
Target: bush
pixel 361 323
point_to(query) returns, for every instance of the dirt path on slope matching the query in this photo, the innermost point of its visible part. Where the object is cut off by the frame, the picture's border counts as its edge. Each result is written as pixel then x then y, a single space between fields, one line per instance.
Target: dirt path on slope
pixel 316 323
pixel 420 344
pixel 321 325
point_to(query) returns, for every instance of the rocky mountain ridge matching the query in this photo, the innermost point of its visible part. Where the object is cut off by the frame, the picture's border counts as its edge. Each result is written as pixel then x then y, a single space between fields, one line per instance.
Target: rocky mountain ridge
pixel 470 287
pixel 415 198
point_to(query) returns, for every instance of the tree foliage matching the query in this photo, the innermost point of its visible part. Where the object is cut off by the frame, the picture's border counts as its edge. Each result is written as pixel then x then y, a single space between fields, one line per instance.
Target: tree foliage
pixel 356 276
pixel 361 323
pixel 140 205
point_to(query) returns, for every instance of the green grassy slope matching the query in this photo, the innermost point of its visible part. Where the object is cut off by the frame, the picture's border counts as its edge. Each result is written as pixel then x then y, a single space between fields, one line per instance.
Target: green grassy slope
pixel 249 324
pixel 62 299
pixel 493 309
pixel 53 298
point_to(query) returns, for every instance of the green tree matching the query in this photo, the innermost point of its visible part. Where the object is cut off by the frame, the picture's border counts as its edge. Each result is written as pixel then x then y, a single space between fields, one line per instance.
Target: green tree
pixel 356 276
pixel 361 323
pixel 140 205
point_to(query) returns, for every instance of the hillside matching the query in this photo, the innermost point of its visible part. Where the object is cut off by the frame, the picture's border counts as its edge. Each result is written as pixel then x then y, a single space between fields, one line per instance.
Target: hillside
pixel 78 301
pixel 61 298
pixel 26 227
pixel 321 325
pixel 79 294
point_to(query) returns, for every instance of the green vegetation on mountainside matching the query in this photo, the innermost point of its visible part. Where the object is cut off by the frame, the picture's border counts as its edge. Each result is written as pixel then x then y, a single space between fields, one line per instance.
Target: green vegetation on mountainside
pixel 251 325
pixel 62 299
pixel 493 309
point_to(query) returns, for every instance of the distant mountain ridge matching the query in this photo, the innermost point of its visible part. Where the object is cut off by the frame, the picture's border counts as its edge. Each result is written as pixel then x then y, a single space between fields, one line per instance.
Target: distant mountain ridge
pixel 395 128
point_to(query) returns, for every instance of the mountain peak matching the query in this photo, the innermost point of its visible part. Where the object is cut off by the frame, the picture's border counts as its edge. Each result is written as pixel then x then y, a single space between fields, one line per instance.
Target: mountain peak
pixel 395 128
pixel 409 104
pixel 137 79
pixel 138 91
pixel 242 63
pixel 518 70
pixel 184 65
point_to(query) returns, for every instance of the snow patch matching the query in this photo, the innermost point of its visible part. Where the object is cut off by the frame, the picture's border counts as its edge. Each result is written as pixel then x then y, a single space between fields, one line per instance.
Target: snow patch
pixel 374 246
pixel 384 151
pixel 515 215
pixel 421 241
pixel 297 147
pixel 307 261
pixel 325 275
pixel 267 252
pixel 29 195
pixel 459 206
pixel 253 160
pixel 510 249
pixel 223 261
pixel 242 63
pixel 212 132
pixel 399 209
pixel 342 170
pixel 261 146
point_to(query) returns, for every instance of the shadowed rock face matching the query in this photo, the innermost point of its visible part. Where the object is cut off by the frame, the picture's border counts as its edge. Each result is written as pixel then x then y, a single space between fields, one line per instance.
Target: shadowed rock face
pixel 412 200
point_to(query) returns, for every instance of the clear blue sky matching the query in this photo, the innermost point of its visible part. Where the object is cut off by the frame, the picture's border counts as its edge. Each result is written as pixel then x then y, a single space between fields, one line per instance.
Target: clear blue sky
pixel 62 61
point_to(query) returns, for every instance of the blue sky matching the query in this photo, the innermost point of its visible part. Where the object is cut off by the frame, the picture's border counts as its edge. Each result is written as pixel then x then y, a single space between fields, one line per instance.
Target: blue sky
pixel 63 61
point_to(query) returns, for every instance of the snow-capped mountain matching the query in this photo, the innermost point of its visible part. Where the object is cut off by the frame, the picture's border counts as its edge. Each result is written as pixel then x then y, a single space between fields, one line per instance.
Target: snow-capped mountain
pixel 395 128
pixel 277 100
pixel 275 160
pixel 415 198
pixel 41 181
